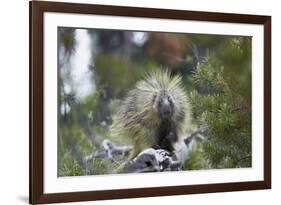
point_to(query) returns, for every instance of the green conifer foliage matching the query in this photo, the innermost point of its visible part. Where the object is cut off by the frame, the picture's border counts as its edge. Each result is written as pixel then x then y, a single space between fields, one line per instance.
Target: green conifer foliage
pixel 225 115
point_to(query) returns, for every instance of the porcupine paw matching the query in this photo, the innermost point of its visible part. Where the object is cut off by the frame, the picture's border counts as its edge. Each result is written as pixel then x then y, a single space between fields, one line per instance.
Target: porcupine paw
pixel 156 146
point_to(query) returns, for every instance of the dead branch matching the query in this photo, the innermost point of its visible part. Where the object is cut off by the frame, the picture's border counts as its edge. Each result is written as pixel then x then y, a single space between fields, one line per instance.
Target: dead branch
pixel 108 150
pixel 159 160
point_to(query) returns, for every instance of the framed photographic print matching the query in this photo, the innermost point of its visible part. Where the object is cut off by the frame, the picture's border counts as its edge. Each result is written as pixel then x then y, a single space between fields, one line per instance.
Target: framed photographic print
pixel 136 102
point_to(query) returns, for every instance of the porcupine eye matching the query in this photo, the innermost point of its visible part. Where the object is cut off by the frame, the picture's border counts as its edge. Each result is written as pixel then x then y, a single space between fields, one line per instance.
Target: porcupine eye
pixel 171 100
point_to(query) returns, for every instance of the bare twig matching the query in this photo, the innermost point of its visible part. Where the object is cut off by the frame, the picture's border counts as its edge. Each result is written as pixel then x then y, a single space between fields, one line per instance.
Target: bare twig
pixel 199 133
pixel 243 158
pixel 107 150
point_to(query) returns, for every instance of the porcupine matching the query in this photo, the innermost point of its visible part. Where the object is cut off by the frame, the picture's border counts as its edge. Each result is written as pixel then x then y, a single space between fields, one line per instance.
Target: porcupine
pixel 154 113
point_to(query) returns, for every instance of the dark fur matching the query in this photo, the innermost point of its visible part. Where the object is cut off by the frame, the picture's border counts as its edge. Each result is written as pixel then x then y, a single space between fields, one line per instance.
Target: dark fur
pixel 167 135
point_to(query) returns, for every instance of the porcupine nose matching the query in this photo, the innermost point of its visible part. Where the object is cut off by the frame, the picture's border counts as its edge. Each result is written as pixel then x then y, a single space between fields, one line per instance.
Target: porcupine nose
pixel 166 108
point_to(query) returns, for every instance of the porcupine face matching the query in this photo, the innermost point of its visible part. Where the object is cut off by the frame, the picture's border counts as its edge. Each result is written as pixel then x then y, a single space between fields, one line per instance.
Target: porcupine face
pixel 165 106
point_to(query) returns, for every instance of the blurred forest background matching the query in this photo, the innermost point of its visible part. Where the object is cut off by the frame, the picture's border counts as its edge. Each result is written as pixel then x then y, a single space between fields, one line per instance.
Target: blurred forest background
pixel 97 68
